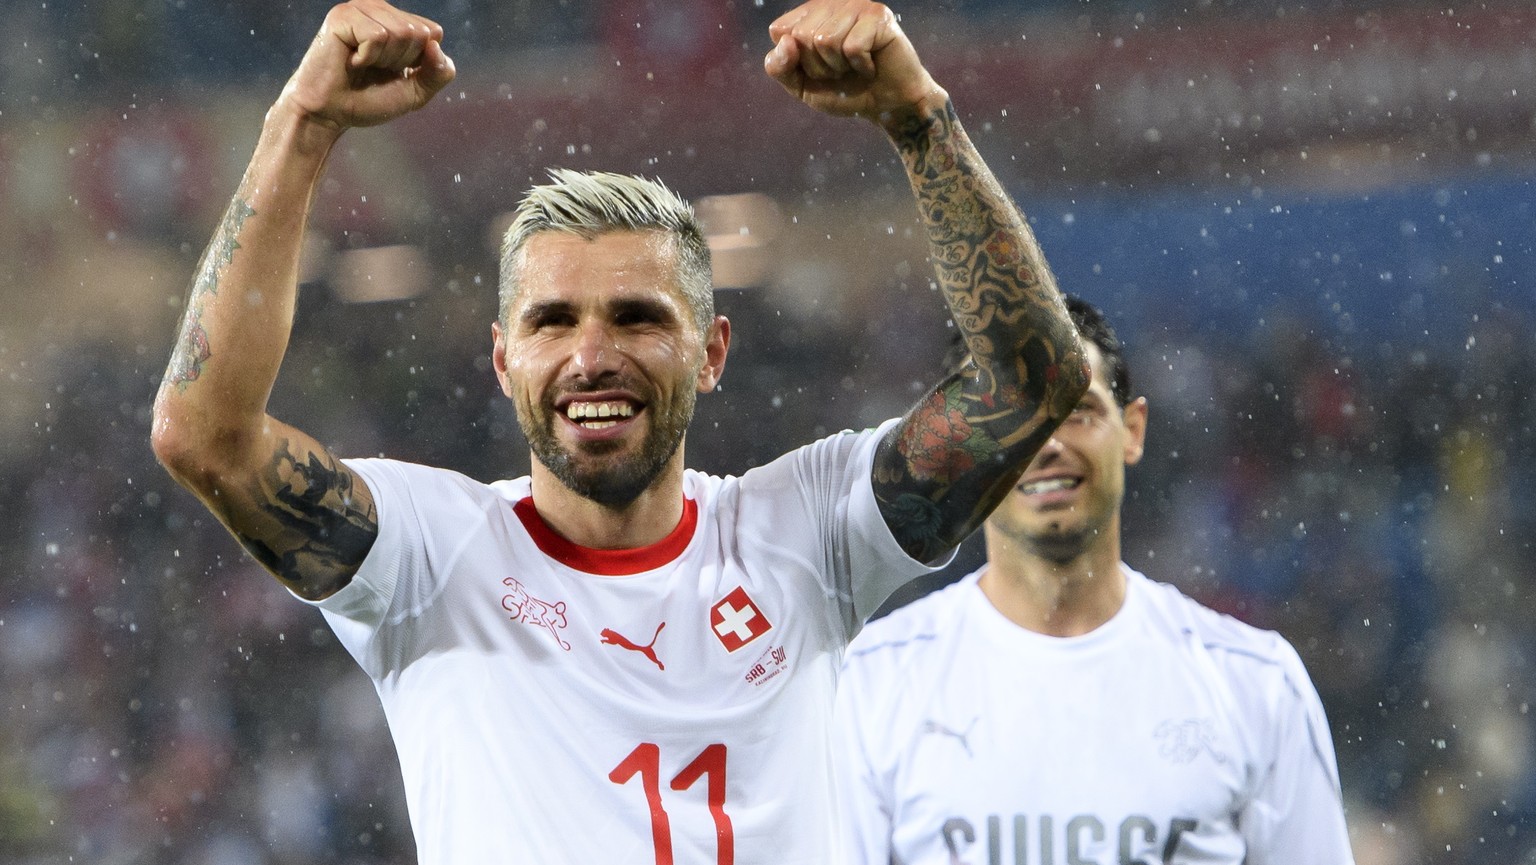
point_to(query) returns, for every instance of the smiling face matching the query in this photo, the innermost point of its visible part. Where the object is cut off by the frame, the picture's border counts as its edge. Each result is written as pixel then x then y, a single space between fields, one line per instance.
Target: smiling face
pixel 601 356
pixel 1068 500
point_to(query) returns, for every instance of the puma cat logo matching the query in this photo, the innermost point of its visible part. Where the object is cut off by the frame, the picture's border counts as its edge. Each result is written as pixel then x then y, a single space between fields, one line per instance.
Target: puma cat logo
pixel 614 638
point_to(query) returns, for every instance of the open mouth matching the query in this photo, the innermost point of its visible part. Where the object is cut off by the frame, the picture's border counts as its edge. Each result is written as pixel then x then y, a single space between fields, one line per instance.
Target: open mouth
pixel 1049 485
pixel 599 415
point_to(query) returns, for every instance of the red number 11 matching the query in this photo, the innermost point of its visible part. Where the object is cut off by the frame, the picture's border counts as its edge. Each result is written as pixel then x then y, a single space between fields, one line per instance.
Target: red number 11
pixel 645 761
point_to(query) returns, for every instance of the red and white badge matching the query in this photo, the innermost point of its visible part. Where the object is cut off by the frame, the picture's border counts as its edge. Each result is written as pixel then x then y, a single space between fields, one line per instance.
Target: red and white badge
pixel 737 621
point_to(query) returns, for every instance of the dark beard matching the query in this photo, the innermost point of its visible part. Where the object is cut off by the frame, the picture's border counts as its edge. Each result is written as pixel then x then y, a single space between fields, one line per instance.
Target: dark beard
pixel 608 484
pixel 1063 547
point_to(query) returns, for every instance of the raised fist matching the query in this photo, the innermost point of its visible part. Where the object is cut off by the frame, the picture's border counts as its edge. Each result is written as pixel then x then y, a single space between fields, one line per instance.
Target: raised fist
pixel 849 57
pixel 369 63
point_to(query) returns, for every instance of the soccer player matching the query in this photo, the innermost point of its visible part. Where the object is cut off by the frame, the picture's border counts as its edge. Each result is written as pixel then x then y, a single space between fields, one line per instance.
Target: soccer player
pixel 1058 707
pixel 613 659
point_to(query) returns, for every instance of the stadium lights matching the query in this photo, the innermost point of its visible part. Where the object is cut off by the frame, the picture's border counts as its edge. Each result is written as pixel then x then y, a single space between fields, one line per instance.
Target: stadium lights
pixel 380 273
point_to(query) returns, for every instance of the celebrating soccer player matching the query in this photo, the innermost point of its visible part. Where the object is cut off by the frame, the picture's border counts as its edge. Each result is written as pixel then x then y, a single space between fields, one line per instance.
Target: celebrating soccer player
pixel 1057 706
pixel 614 659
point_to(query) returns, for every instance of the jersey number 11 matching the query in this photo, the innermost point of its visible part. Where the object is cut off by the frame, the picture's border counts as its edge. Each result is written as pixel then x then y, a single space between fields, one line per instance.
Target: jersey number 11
pixel 645 761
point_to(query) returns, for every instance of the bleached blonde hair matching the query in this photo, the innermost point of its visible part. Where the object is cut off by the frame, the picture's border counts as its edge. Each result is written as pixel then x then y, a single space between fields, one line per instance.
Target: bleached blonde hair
pixel 589 203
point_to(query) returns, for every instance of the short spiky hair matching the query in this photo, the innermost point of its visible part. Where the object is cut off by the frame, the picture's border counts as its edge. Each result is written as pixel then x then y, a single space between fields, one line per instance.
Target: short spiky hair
pixel 589 203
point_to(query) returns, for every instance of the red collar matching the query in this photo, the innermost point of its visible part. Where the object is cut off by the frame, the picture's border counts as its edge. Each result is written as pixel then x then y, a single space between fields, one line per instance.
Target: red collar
pixel 609 563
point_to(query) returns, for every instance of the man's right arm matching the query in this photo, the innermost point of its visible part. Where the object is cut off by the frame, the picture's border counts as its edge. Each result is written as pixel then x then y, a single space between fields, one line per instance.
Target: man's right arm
pixel 305 516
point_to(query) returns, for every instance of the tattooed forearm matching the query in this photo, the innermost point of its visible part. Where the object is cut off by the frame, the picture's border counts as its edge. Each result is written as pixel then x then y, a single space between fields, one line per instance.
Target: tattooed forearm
pixel 994 276
pixel 192 348
pixel 955 454
pixel 314 524
pixel 222 250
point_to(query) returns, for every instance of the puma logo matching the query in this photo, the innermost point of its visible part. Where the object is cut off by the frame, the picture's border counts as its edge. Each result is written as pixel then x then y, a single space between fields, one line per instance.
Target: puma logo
pixel 614 638
pixel 931 726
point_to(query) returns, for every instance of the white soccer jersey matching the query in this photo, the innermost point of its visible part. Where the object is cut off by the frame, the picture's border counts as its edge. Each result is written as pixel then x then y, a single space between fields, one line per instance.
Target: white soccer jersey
pixel 555 704
pixel 1171 734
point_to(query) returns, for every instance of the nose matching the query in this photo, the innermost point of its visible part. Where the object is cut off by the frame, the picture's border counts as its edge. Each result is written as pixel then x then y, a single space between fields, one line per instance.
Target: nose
pixel 1048 451
pixel 595 353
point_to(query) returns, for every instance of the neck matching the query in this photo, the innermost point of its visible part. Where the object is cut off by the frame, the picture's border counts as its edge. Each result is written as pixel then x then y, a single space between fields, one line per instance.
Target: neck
pixel 642 522
pixel 1065 598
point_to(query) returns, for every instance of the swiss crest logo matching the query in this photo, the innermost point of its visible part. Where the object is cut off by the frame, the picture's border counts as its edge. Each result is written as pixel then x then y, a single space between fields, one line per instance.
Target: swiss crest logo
pixel 533 611
pixel 737 621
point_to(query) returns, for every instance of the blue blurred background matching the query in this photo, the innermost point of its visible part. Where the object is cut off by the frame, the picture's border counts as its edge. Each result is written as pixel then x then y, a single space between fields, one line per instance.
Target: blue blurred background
pixel 1311 222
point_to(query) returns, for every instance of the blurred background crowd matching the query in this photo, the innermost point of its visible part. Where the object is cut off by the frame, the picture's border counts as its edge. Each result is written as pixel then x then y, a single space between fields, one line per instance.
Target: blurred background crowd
pixel 1312 224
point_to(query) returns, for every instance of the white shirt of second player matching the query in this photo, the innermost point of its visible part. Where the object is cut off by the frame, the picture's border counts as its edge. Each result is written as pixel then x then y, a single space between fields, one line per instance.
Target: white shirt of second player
pixel 1170 734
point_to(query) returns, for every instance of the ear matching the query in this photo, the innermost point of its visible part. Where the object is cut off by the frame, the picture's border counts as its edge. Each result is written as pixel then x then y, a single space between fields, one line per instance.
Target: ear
pixel 499 356
pixel 1135 418
pixel 717 344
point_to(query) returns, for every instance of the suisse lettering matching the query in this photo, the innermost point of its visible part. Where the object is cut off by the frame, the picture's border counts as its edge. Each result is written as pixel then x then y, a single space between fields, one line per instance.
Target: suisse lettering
pixel 1137 840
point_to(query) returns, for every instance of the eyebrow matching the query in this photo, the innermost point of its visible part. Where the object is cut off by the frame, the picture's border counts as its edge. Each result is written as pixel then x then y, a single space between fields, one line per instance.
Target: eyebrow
pixel 644 307
pixel 640 306
pixel 1090 397
pixel 543 309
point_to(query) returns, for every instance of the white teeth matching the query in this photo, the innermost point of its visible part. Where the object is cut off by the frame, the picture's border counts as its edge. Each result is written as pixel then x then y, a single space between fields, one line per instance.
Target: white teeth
pixel 1050 485
pixel 579 411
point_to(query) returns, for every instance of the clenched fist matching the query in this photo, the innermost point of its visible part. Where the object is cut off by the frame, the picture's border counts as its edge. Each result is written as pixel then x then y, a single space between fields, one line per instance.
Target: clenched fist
pixel 850 58
pixel 369 63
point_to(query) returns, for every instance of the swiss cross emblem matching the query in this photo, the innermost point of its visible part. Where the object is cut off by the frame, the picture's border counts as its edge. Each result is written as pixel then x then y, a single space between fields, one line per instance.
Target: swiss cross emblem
pixel 737 621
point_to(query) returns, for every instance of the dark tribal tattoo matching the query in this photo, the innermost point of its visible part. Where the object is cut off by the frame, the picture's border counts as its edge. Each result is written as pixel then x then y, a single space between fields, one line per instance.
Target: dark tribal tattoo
pixel 192 349
pixel 315 521
pixel 955 455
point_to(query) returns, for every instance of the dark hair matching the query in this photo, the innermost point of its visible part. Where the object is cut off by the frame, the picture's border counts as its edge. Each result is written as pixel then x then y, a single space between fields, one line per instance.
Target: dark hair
pixel 1092 326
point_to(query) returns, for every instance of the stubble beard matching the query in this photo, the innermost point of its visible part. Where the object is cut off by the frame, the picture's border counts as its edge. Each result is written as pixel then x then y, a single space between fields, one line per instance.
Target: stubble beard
pixel 1060 543
pixel 1061 546
pixel 601 474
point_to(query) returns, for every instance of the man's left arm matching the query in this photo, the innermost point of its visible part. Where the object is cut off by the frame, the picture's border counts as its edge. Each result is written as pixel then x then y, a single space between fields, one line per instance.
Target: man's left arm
pixel 1296 812
pixel 954 456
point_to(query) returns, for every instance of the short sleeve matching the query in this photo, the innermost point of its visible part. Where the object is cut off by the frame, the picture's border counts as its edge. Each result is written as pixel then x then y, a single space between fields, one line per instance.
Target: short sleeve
pixel 827 487
pixel 879 564
pixel 357 610
pixel 1296 813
